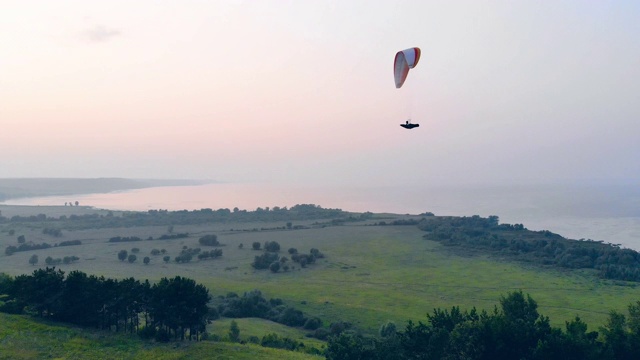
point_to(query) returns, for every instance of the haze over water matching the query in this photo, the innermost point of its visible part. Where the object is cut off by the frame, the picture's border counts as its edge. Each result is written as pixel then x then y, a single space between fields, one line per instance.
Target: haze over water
pixel 608 213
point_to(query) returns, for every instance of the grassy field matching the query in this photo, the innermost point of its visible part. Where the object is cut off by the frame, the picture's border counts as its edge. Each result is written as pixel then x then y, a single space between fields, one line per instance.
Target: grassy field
pixel 22 337
pixel 371 274
pixel 260 327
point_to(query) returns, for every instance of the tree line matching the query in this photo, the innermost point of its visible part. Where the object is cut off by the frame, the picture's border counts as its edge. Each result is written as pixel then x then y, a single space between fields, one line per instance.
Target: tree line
pixel 254 304
pixel 181 217
pixel 513 331
pixel 541 247
pixel 171 308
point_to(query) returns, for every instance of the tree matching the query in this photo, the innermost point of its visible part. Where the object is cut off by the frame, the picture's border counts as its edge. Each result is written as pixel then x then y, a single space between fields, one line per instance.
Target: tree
pixel 275 266
pixel 132 258
pixel 122 255
pixel 388 329
pixel 209 240
pixel 166 258
pixel 234 331
pixel 256 245
pixel 146 260
pixel 33 260
pixel 272 246
pixel 21 239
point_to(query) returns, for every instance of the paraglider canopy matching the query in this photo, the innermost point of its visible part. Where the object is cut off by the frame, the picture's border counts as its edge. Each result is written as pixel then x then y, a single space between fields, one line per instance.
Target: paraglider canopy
pixel 405 60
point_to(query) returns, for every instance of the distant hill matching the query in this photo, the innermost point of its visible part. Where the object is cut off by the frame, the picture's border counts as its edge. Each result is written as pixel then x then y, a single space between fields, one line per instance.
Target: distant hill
pixel 12 188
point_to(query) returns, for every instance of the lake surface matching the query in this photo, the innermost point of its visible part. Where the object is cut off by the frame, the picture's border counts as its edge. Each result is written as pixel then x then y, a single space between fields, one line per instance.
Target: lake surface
pixel 609 213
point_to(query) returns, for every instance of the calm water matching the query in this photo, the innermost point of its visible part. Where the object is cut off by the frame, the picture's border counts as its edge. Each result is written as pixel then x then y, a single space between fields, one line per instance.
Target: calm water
pixel 608 213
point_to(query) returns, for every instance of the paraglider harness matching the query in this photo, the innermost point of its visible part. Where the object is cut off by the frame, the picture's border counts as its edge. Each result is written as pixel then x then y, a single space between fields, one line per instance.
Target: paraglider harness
pixel 409 125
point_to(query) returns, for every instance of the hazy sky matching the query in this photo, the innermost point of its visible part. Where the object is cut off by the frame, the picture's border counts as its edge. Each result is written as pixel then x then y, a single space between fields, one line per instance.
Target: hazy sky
pixel 303 91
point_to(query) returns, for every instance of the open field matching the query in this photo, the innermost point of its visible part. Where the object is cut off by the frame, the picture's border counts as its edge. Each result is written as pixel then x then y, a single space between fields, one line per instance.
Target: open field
pixel 22 337
pixel 371 274
pixel 259 327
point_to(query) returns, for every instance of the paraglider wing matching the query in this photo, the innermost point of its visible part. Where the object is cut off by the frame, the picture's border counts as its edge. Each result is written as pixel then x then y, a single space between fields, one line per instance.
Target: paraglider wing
pixel 405 60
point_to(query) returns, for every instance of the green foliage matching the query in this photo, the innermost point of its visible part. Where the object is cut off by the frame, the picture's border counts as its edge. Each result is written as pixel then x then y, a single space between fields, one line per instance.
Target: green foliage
pixel 234 332
pixel 173 236
pixel 69 243
pixel 58 341
pixel 33 260
pixel 271 246
pixel 132 258
pixel 274 341
pixel 11 249
pixel 124 239
pixel 209 240
pixel 542 247
pixel 514 331
pixel 256 245
pixel 264 261
pixel 52 232
pixel 122 255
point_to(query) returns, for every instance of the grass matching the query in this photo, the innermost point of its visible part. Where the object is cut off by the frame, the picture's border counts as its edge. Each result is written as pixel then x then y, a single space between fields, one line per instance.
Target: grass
pixel 259 328
pixel 22 337
pixel 371 274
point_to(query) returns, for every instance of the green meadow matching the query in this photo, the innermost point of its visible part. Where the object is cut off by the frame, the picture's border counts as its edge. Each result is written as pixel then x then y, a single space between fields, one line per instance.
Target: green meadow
pixel 22 337
pixel 370 274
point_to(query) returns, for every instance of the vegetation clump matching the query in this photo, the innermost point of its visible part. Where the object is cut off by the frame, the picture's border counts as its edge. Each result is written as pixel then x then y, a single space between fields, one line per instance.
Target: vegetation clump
pixel 515 330
pixel 541 247
pixel 172 308
pixel 209 240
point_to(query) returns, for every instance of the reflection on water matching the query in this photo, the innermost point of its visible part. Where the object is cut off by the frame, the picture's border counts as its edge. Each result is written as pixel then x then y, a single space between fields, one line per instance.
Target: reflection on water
pixel 611 214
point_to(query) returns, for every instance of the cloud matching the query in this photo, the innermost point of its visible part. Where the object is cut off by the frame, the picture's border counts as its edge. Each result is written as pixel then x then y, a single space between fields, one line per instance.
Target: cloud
pixel 101 33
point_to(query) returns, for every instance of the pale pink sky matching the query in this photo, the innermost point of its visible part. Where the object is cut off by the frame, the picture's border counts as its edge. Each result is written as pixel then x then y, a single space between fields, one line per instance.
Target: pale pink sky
pixel 303 91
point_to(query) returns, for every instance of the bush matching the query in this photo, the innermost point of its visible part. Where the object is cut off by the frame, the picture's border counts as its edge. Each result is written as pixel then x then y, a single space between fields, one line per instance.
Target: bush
pixel 272 246
pixel 209 240
pixel 264 261
pixel 256 245
pixel 122 255
pixel 313 323
pixel 275 266
pixel 162 336
pixel 147 332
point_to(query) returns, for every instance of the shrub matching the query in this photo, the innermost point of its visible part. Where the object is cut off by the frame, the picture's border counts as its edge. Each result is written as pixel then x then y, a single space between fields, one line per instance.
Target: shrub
pixel 264 261
pixel 122 255
pixel 272 246
pixel 209 240
pixel 313 323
